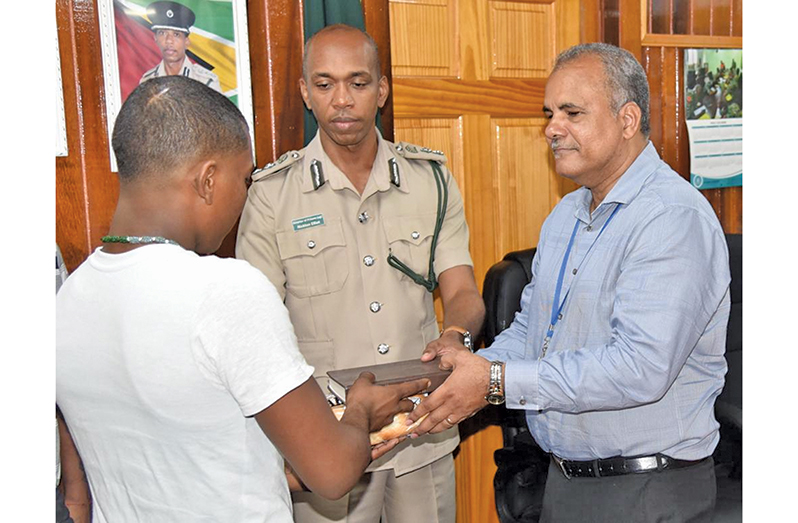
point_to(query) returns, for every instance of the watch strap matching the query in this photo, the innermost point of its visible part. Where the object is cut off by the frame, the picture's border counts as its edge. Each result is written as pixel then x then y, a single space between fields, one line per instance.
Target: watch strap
pixel 467 338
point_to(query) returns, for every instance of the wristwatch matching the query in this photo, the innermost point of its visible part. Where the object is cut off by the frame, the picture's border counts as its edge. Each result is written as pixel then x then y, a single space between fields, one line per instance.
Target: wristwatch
pixel 495 394
pixel 467 340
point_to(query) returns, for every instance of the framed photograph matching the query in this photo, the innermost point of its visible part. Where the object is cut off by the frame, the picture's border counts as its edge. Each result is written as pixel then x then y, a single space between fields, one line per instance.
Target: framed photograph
pixel 205 40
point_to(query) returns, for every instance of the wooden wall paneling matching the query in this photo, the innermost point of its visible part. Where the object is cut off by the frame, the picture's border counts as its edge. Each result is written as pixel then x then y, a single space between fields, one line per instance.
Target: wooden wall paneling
pixel 660 18
pixel 681 16
pixel 424 40
pixel 592 21
pixel 275 50
pixel 378 25
pixel 630 26
pixel 86 190
pixel 475 48
pixel 537 23
pixel 568 26
pixel 474 471
pixel 526 187
pixel 452 97
pixel 721 17
pixel 702 17
pixel 480 200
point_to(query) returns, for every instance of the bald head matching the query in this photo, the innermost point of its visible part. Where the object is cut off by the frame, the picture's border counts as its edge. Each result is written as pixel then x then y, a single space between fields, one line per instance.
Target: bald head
pixel 332 31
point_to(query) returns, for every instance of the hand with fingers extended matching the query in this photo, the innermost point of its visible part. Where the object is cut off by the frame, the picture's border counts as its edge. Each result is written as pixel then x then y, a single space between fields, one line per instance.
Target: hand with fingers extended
pixel 450 341
pixel 373 406
pixel 459 397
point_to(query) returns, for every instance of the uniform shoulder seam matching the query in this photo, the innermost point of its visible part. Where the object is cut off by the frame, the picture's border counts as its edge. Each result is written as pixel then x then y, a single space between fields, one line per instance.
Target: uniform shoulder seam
pixel 279 165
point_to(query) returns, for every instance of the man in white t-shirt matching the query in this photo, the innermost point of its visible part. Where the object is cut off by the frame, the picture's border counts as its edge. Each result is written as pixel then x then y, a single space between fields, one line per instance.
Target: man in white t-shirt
pixel 178 374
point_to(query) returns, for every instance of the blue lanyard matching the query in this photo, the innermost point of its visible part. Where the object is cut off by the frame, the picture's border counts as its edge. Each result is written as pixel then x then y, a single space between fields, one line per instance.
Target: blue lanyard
pixel 556 312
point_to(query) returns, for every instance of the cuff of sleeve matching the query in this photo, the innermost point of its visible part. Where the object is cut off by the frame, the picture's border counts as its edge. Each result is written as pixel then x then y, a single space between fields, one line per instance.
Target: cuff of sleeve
pixel 521 385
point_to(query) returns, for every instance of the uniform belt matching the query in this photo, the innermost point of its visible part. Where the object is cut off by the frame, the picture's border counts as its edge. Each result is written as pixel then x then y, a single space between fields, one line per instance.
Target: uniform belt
pixel 619 466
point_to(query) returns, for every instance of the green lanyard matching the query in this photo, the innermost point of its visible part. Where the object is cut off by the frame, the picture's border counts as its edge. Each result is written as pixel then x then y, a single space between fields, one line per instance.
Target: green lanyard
pixel 430 282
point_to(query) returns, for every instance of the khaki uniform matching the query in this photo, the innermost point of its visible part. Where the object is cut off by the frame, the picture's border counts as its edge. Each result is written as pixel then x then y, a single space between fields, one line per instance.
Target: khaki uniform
pixel 190 70
pixel 325 248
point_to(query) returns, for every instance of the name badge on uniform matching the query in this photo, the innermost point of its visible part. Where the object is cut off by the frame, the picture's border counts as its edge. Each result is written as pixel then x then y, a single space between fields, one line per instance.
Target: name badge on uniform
pixel 307 222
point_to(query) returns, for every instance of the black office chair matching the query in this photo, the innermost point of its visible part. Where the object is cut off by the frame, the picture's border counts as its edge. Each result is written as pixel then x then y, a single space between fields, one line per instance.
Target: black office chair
pixel 729 405
pixel 522 465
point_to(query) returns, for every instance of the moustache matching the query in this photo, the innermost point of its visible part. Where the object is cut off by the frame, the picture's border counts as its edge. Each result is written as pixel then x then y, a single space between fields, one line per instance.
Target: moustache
pixel 557 144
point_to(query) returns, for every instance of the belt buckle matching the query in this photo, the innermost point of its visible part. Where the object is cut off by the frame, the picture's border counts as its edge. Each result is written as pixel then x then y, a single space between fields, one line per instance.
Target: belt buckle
pixel 560 463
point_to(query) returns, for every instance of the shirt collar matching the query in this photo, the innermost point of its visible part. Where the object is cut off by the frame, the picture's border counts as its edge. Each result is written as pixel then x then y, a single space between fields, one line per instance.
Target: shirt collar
pixel 626 188
pixel 162 67
pixel 379 179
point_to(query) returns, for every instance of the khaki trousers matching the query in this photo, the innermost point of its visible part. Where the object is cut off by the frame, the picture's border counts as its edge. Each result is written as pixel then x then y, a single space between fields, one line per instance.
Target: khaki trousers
pixel 425 495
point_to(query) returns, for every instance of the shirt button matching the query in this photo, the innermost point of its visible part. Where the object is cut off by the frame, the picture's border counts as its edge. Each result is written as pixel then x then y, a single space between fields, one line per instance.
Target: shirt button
pixel 383 348
pixel 589 228
pixel 363 217
pixel 311 244
pixel 368 261
pixel 574 271
pixel 522 401
pixel 415 235
pixel 375 306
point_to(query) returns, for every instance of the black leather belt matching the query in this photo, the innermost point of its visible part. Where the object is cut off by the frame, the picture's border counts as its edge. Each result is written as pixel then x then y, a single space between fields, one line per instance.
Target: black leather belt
pixel 619 466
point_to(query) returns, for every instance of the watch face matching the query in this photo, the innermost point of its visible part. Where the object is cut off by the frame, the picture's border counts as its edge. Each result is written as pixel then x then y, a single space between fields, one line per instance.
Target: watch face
pixel 495 399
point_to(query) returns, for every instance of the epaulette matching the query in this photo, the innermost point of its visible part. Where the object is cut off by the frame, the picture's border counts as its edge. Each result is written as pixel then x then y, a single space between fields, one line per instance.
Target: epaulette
pixel 149 73
pixel 278 165
pixel 415 152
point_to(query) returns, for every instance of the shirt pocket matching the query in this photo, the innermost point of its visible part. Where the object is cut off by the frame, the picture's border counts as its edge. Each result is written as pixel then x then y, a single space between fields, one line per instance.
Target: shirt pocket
pixel 314 259
pixel 410 240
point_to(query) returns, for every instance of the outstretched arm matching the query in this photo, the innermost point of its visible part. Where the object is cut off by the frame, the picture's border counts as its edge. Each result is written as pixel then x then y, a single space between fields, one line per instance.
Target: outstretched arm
pixel 462 307
pixel 326 455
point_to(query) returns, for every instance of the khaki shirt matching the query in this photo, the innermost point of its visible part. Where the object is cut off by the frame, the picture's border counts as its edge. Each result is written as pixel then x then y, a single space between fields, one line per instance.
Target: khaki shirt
pixel 189 70
pixel 325 248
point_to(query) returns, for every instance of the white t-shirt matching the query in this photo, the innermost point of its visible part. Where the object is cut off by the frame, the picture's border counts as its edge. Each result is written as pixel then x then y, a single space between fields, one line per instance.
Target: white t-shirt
pixel 161 357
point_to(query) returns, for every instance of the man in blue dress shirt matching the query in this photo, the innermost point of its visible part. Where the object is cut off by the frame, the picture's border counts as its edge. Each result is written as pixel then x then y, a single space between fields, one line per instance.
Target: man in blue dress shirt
pixel 617 354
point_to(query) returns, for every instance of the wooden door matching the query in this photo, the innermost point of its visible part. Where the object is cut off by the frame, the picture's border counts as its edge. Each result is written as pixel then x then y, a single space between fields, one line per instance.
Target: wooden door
pixel 468 79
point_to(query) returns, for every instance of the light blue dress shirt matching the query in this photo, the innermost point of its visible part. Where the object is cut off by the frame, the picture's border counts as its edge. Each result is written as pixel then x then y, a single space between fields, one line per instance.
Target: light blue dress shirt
pixel 637 359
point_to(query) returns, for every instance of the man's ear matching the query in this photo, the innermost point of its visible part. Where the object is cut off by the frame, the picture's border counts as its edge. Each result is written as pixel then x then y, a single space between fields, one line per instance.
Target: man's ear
pixel 303 90
pixel 630 115
pixel 385 90
pixel 205 180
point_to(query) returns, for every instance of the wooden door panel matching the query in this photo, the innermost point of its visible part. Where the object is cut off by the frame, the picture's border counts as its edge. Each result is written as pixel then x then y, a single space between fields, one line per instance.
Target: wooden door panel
pixel 469 78
pixel 531 57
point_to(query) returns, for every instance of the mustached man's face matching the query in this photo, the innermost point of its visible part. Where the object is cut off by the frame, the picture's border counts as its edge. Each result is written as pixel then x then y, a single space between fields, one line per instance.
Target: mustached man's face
pixel 583 132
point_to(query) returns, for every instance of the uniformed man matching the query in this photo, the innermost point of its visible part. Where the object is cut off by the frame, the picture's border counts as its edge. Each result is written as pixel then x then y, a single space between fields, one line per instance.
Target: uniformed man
pixel 171 23
pixel 322 223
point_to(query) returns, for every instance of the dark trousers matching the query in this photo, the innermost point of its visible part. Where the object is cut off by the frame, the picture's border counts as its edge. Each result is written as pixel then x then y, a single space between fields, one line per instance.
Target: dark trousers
pixel 678 495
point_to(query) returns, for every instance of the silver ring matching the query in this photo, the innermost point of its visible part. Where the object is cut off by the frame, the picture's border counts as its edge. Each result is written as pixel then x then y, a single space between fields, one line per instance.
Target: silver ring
pixel 450 422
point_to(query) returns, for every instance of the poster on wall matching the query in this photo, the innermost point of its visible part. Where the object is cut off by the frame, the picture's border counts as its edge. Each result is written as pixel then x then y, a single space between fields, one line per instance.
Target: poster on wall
pixel 205 40
pixel 714 113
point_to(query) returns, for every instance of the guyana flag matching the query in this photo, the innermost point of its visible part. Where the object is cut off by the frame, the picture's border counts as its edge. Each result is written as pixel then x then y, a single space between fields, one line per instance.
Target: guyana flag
pixel 212 42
